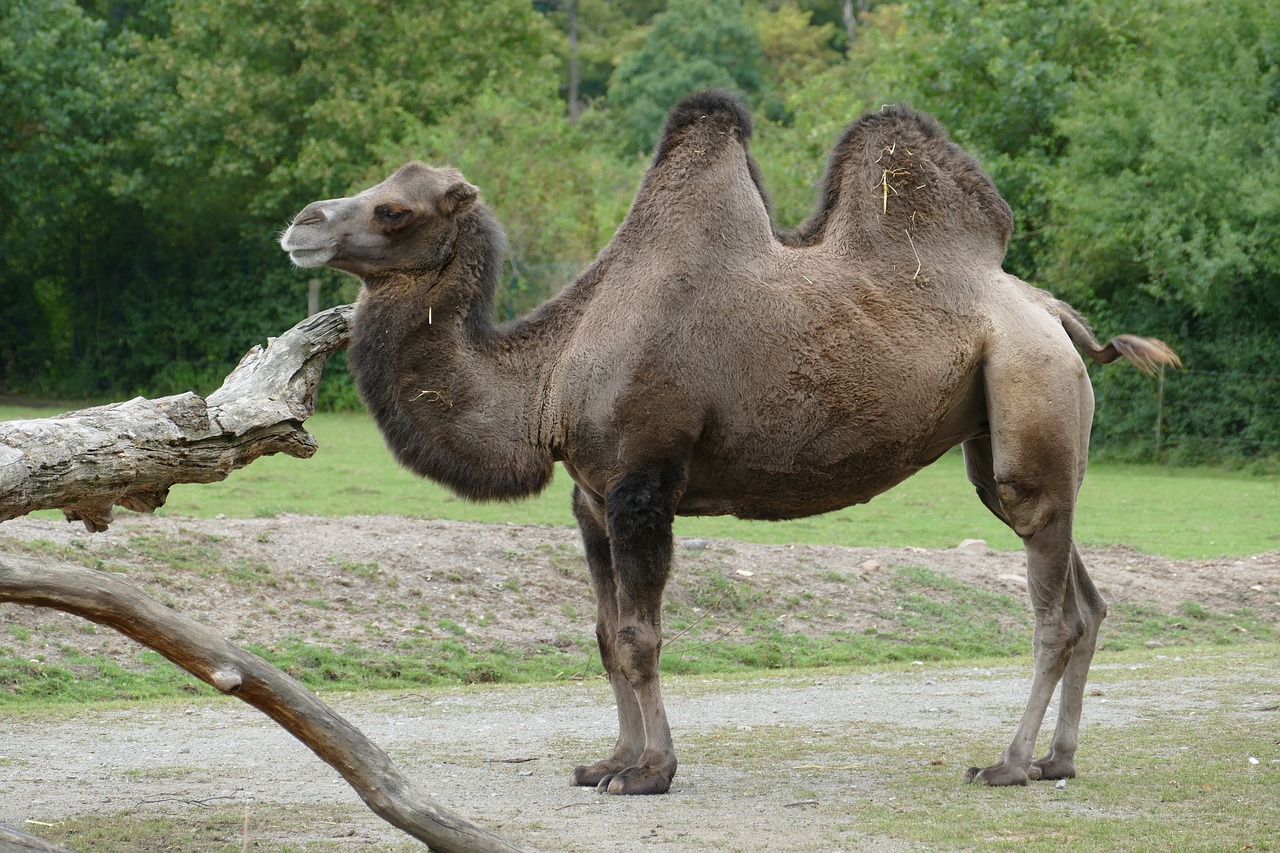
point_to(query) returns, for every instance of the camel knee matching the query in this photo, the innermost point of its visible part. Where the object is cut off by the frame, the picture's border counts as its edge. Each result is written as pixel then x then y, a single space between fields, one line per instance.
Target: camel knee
pixel 636 649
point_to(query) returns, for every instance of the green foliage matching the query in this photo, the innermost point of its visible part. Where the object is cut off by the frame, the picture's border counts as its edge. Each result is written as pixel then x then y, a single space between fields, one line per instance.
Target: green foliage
pixel 693 45
pixel 53 84
pixel 150 150
pixel 1166 211
pixel 1173 177
pixel 793 47
pixel 154 166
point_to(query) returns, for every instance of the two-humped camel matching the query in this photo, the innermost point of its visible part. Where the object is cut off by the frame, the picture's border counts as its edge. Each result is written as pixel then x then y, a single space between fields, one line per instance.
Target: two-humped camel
pixel 708 364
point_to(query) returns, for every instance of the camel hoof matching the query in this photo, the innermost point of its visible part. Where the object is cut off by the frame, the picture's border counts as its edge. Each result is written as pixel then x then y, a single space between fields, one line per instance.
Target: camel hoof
pixel 997 775
pixel 637 781
pixel 1052 768
pixel 594 775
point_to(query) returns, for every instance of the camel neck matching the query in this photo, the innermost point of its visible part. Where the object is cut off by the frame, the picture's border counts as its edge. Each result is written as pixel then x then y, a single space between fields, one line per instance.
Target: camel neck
pixel 457 398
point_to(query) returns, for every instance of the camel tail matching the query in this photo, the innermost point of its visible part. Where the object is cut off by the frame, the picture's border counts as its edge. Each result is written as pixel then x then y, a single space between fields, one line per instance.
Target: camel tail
pixel 1147 354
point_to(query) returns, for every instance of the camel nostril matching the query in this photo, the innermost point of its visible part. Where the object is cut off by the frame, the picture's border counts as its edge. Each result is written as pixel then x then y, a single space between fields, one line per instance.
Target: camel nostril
pixel 310 215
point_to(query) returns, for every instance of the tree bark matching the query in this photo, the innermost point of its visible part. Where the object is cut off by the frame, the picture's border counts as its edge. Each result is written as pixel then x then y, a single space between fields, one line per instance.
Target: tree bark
pixel 852 15
pixel 109 599
pixel 130 454
pixel 16 841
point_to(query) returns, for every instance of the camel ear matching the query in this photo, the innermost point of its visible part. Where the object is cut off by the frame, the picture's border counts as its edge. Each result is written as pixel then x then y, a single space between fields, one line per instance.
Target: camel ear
pixel 457 199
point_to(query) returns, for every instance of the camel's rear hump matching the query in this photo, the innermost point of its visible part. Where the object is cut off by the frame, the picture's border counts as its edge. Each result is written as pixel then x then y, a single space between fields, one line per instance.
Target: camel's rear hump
pixel 897 189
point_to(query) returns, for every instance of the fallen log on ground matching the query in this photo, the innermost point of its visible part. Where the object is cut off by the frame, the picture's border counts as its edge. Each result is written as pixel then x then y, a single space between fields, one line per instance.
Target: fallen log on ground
pixel 130 454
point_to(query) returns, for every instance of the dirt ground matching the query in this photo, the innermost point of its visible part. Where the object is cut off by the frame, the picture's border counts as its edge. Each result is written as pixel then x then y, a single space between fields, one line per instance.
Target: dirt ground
pixel 502 755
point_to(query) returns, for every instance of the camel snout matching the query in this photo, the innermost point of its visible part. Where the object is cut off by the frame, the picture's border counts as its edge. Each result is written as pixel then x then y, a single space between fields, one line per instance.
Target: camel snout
pixel 312 214
pixel 306 240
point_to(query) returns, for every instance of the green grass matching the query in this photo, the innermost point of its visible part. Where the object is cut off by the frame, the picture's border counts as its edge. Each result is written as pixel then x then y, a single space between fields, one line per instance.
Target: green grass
pixel 1196 513
pixel 717 627
pixel 95 678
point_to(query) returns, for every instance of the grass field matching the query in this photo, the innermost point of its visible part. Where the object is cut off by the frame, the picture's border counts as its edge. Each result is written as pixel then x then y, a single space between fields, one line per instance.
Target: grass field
pixel 1178 512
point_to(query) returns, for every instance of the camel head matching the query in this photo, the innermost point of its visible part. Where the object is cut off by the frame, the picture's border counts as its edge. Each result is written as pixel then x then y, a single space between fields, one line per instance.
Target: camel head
pixel 406 225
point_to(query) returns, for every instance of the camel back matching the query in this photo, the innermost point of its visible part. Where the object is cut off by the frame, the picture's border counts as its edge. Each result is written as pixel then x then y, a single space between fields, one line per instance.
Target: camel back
pixel 897 188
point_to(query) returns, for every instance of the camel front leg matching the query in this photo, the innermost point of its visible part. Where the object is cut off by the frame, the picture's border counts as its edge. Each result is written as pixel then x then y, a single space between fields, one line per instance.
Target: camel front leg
pixel 630 743
pixel 639 515
pixel 629 634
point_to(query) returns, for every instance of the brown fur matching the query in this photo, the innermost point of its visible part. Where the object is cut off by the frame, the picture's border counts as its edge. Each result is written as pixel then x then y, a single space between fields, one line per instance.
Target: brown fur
pixel 707 363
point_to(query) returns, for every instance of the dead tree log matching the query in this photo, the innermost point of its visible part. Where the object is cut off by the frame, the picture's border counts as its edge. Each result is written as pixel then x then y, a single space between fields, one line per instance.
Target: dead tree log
pixel 109 599
pixel 130 454
pixel 16 841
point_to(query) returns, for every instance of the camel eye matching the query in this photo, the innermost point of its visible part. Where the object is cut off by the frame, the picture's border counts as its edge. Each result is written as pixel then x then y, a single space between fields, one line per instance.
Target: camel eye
pixel 388 215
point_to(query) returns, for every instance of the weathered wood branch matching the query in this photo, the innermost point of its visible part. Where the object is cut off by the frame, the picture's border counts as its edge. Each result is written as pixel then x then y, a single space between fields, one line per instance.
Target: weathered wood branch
pixel 109 599
pixel 17 841
pixel 130 454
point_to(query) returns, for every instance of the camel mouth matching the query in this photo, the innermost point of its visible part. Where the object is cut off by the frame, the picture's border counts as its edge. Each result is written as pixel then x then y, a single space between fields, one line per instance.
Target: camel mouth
pixel 310 258
pixel 307 250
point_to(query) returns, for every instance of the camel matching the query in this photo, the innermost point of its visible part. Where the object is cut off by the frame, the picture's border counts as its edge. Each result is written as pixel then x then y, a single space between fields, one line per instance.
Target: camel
pixel 708 362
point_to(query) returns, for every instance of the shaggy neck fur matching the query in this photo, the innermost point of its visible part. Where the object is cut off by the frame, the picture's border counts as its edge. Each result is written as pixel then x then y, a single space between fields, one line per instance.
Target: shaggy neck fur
pixel 455 396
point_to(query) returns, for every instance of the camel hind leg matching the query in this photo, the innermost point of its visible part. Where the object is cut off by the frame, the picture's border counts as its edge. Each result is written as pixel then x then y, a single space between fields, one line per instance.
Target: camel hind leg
pixel 1027 473
pixel 1059 762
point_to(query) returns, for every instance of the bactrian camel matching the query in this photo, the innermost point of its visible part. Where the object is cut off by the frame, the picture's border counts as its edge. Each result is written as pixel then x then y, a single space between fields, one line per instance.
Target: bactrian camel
pixel 707 363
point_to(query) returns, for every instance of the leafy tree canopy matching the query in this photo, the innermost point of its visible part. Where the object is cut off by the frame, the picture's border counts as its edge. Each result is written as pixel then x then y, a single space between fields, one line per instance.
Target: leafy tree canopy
pixel 693 45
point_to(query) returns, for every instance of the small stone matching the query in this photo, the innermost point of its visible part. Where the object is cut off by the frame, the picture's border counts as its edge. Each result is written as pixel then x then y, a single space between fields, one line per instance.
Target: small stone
pixel 1154 644
pixel 746 573
pixel 695 544
pixel 869 565
pixel 1061 784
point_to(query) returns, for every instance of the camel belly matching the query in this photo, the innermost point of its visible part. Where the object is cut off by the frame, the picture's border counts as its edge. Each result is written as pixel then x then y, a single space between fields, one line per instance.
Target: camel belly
pixel 831 457
pixel 774 496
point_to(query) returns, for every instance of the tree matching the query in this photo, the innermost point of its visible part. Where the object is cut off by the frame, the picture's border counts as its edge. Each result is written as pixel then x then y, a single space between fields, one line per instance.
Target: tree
pixel 692 45
pixel 150 162
pixel 794 49
pixel 1165 213
pixel 1172 176
pixel 53 132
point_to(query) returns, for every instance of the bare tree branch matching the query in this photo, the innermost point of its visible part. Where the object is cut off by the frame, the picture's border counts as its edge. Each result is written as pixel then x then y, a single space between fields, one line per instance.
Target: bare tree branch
pixel 17 841
pixel 130 454
pixel 109 599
